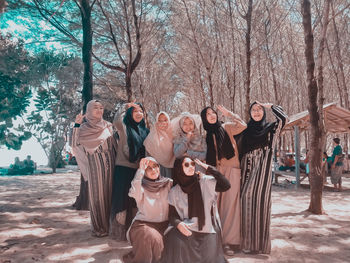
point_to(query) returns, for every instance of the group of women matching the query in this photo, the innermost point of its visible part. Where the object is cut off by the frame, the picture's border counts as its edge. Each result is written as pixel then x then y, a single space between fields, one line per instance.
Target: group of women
pixel 179 194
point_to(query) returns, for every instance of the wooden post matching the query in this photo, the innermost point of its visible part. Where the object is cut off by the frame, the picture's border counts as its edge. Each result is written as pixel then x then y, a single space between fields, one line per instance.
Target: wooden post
pixel 297 155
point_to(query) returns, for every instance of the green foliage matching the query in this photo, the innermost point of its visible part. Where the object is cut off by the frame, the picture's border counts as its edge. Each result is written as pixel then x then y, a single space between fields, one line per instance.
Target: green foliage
pixel 14 91
pixel 56 102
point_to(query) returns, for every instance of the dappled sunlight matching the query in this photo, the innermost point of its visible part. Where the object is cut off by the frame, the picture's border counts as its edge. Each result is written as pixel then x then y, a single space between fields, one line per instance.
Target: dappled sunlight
pixel 327 249
pixel 87 251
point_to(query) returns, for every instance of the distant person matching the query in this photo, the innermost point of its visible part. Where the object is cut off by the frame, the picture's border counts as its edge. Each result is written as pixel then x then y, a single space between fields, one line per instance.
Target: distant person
pixel 288 163
pixel 29 165
pixel 337 164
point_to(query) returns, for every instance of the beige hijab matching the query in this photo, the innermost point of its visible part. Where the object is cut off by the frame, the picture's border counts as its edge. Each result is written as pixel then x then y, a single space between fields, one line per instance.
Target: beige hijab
pixel 159 143
pixel 94 132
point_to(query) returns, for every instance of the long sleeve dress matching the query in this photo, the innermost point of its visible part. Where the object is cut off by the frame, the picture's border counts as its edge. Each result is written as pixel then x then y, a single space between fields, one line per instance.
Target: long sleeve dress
pixel 256 182
pixel 229 201
pixel 98 168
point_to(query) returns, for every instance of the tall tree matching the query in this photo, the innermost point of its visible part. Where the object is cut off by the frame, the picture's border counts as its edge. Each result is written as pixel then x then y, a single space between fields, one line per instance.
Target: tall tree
pixel 317 127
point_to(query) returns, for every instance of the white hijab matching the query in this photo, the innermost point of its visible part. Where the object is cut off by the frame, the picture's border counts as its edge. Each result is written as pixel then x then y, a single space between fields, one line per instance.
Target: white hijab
pixel 159 143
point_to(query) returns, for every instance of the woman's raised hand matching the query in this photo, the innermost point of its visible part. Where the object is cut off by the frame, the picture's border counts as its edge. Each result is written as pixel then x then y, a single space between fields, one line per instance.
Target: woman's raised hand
pixel 200 163
pixel 79 118
pixel 183 228
pixel 223 110
pixel 144 163
pixel 265 105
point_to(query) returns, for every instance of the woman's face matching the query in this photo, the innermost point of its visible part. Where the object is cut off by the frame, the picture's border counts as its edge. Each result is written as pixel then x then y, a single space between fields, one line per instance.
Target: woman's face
pixel 257 112
pixel 137 114
pixel 97 111
pixel 188 125
pixel 152 170
pixel 211 116
pixel 188 166
pixel 162 122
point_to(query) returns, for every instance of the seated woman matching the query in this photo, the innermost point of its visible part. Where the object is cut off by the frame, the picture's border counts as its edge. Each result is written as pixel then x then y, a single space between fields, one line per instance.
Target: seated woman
pixel 195 236
pixel 150 191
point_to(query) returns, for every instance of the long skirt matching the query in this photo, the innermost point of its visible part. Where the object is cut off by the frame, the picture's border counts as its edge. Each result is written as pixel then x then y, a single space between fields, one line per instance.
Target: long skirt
pixel 123 206
pixel 197 248
pixel 101 166
pixel 336 174
pixel 230 207
pixel 147 241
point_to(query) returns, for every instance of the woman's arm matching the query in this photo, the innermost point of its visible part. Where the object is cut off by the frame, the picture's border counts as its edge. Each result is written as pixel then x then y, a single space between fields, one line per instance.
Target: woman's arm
pixel 175 220
pixel 180 148
pixel 222 184
pixel 136 190
pixel 279 114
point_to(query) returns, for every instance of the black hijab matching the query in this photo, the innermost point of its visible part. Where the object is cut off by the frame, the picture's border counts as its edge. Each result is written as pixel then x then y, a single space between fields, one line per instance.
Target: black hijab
pixel 190 185
pixel 223 142
pixel 256 134
pixel 136 134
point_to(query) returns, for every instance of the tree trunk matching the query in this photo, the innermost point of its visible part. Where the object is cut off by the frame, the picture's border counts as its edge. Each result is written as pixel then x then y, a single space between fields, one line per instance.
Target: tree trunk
pixel 315 175
pixel 248 18
pixel 82 201
pixel 87 92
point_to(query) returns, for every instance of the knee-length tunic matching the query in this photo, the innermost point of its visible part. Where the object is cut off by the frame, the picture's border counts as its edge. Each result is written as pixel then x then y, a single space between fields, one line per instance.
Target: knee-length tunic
pixel 256 191
pixel 100 170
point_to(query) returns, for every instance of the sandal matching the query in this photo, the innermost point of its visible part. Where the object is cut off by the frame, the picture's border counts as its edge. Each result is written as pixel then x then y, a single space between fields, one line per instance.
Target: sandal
pixel 228 251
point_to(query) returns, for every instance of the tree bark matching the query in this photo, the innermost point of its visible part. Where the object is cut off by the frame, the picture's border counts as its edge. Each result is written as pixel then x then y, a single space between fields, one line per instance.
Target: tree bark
pixel 87 92
pixel 248 18
pixel 315 175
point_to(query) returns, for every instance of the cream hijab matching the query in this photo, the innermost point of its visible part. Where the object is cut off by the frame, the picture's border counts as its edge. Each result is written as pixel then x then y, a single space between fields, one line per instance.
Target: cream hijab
pixel 95 131
pixel 159 143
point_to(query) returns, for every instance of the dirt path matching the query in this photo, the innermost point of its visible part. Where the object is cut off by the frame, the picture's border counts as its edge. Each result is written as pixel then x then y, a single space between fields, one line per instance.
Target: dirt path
pixel 37 223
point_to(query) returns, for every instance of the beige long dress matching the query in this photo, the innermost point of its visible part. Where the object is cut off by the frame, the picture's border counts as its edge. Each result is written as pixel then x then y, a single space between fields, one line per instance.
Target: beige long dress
pixel 229 201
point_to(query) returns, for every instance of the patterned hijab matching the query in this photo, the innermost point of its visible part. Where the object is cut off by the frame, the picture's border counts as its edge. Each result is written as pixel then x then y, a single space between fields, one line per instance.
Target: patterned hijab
pixel 94 131
pixel 136 133
pixel 190 185
pixel 256 134
pixel 157 184
pixel 224 147
pixel 159 143
pixel 196 143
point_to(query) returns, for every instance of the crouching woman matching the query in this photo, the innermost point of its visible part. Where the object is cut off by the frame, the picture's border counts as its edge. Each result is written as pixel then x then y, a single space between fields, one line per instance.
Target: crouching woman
pixel 150 191
pixel 193 213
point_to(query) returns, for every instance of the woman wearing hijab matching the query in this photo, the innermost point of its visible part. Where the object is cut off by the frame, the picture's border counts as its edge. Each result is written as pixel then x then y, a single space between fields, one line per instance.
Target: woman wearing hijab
pixel 95 147
pixel 255 146
pixel 132 132
pixel 150 191
pixel 188 140
pixel 193 214
pixel 222 153
pixel 159 143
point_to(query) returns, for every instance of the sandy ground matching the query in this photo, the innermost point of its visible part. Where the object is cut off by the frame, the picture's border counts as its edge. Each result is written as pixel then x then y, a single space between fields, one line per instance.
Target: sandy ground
pixel 38 223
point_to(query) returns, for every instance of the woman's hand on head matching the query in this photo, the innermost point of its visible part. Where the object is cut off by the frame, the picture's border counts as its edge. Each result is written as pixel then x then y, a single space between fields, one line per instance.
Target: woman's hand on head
pixel 79 118
pixel 223 110
pixel 144 163
pixel 200 163
pixel 265 105
pixel 183 228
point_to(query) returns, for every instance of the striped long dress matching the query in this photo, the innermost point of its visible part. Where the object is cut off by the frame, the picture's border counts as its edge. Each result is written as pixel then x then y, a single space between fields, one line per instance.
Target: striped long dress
pixel 100 169
pixel 256 182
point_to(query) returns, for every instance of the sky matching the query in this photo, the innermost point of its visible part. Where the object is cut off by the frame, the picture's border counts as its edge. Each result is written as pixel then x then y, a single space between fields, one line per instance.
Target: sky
pixel 30 147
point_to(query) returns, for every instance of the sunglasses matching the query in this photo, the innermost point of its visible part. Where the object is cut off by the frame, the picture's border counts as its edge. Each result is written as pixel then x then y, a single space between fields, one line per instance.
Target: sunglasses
pixel 187 164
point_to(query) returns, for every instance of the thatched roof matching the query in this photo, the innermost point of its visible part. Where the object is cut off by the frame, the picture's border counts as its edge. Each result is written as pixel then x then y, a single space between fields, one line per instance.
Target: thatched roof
pixel 337 119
